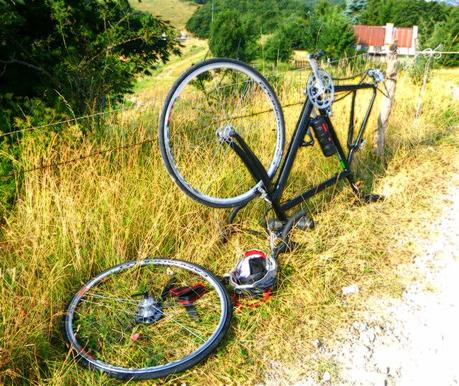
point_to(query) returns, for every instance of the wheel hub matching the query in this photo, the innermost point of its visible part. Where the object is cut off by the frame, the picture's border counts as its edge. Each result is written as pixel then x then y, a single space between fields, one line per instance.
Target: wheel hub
pixel 148 311
pixel 224 133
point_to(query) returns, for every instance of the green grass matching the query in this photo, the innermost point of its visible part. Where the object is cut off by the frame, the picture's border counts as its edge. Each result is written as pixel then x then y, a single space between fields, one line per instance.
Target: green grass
pixel 176 11
pixel 158 83
pixel 72 222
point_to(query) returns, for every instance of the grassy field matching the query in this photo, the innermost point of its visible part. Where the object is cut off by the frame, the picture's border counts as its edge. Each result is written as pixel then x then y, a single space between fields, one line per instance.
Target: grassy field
pixel 176 11
pixel 74 221
pixel 155 86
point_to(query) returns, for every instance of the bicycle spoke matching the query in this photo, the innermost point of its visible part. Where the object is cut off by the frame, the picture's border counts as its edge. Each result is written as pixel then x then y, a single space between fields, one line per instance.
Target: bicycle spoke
pixel 106 323
pixel 120 300
pixel 106 306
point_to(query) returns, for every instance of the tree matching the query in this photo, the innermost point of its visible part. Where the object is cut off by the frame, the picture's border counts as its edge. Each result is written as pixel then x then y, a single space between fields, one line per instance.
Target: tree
pixel 61 58
pixel 265 15
pixel 406 13
pixel 296 31
pixel 78 55
pixel 199 22
pixel 446 34
pixel 233 36
pixel 331 31
pixel 278 47
pixel 353 9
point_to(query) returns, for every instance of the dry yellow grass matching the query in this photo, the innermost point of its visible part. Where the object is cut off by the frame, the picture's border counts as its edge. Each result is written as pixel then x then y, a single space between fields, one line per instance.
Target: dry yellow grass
pixel 154 88
pixel 73 221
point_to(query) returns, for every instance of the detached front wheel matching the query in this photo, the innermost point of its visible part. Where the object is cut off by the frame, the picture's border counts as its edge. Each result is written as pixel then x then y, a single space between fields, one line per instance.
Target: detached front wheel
pixel 148 318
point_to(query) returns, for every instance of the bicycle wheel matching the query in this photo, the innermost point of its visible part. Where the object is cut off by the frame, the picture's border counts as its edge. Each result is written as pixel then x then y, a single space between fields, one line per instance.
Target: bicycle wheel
pixel 207 98
pixel 147 319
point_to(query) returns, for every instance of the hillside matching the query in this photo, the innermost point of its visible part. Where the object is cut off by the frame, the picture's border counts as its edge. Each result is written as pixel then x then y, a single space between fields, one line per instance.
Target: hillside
pixel 176 11
pixel 155 86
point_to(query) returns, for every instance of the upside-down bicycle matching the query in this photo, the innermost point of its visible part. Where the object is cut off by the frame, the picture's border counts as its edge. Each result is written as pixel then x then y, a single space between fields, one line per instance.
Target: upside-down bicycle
pixel 222 137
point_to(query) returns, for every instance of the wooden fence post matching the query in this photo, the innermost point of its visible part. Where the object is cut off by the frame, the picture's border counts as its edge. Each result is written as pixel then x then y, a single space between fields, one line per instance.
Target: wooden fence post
pixel 424 84
pixel 386 104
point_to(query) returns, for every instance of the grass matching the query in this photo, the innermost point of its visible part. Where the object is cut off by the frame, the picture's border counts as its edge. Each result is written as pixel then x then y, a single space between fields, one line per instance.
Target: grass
pixel 74 221
pixel 176 11
pixel 154 87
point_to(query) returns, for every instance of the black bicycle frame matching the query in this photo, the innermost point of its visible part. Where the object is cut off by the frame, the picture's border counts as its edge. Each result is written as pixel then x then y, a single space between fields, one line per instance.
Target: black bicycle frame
pixel 271 191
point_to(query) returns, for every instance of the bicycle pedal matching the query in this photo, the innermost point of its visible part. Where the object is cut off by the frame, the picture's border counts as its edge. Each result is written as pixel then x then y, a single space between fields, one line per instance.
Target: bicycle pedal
pixel 305 222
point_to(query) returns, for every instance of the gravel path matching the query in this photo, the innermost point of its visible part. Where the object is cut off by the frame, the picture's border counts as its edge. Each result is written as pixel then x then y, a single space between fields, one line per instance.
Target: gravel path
pixel 413 340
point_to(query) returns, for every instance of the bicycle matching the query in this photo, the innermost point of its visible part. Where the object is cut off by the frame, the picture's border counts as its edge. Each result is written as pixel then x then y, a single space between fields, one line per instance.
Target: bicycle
pixel 258 145
pixel 154 317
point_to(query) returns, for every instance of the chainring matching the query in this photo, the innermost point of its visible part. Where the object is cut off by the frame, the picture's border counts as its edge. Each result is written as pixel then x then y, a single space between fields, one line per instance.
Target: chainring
pixel 320 89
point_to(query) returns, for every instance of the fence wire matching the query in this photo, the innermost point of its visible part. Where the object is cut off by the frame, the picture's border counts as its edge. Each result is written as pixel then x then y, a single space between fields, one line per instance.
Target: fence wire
pixel 98 153
pixel 113 149
pixel 124 109
pixel 75 119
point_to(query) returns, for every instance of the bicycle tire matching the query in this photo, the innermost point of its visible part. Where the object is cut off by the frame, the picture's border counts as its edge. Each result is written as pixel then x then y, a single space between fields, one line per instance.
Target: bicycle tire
pixel 263 129
pixel 78 335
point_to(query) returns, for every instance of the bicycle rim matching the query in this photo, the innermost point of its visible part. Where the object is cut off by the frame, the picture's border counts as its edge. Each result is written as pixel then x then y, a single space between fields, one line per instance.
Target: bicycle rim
pixel 129 322
pixel 213 95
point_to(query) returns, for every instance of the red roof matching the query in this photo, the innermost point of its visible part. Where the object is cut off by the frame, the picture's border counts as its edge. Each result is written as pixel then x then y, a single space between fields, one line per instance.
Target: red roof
pixel 370 35
pixel 404 37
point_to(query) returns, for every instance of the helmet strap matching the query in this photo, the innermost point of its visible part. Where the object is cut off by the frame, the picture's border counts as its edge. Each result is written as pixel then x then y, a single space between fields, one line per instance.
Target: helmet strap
pixel 238 305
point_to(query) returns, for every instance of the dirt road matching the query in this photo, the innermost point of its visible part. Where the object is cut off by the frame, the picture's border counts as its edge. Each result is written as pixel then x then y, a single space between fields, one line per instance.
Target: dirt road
pixel 413 340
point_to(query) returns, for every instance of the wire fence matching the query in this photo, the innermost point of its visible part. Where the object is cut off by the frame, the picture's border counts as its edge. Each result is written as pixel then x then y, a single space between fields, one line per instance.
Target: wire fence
pixel 131 108
pixel 81 158
pixel 118 110
pixel 51 165
pixel 431 53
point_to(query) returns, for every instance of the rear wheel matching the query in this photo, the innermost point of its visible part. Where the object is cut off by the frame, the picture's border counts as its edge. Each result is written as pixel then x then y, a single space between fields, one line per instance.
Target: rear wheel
pixel 209 97
pixel 148 318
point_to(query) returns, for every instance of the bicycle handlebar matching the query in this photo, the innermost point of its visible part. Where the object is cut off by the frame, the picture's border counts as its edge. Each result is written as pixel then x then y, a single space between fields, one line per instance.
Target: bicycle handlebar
pixel 316 55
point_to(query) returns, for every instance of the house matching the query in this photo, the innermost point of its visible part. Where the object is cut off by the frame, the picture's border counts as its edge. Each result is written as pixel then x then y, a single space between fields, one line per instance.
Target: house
pixel 183 36
pixel 377 39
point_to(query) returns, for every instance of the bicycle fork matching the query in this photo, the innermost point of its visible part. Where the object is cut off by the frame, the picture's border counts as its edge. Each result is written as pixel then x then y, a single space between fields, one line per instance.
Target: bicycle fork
pixel 267 190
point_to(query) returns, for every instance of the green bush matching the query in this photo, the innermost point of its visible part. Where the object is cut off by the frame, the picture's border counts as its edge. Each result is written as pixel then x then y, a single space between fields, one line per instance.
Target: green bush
pixel 63 58
pixel 233 36
pixel 331 31
pixel 199 23
pixel 78 56
pixel 278 47
pixel 446 36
